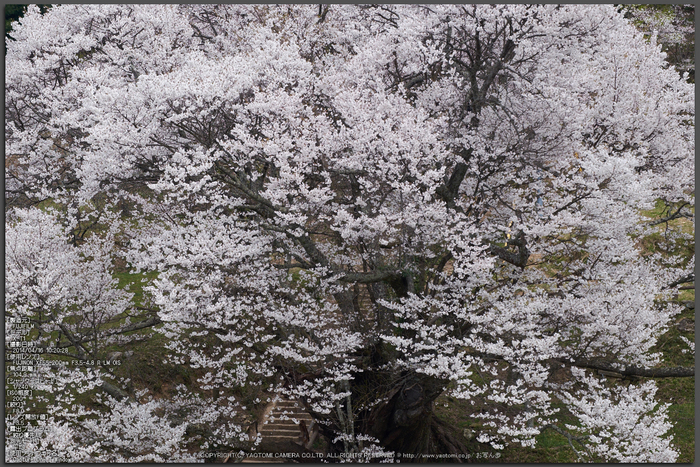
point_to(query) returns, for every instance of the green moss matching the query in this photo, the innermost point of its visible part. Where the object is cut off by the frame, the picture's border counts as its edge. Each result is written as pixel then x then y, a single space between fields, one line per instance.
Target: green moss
pixel 134 282
pixel 683 418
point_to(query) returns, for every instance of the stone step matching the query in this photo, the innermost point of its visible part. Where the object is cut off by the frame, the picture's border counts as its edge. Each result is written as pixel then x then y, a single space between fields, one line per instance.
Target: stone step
pixel 280 436
pixel 290 409
pixel 281 426
pixel 290 420
pixel 265 433
pixel 280 429
pixel 290 415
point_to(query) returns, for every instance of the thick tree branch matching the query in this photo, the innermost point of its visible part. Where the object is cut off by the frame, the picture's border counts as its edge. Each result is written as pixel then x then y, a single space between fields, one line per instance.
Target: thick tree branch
pixel 611 367
pixel 518 259
pixel 683 280
pixel 449 191
pixel 371 277
pixel 665 372
pixel 675 215
pixel 78 344
pixel 152 321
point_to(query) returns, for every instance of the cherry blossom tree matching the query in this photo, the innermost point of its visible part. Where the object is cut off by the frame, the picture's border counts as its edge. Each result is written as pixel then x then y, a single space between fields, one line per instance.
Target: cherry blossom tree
pixel 674 28
pixel 378 204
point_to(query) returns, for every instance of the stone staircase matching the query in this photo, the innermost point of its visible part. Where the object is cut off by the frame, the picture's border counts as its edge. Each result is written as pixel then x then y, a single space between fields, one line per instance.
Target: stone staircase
pixel 287 432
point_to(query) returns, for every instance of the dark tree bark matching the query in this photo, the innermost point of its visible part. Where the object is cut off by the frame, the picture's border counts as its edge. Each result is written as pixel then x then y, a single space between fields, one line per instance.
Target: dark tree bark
pixel 404 422
pixel 634 371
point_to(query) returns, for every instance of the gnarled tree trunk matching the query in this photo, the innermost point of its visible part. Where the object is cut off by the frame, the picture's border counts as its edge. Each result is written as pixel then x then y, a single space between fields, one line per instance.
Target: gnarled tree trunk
pixel 404 422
